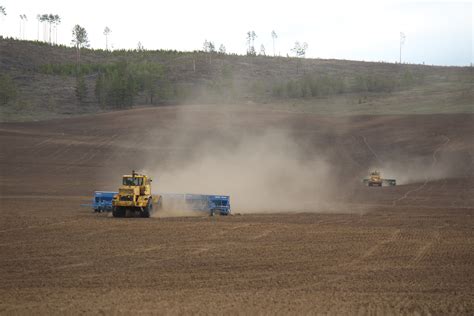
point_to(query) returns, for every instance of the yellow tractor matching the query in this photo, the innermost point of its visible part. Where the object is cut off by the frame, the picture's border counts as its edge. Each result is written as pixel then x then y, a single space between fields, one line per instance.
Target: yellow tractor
pixel 375 180
pixel 134 197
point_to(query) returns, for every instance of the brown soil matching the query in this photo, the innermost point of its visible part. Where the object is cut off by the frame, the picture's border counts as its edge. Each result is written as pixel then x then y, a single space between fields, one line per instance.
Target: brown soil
pixel 407 249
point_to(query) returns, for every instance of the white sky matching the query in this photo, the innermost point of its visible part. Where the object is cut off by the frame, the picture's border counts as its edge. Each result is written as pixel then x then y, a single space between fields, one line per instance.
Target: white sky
pixel 437 32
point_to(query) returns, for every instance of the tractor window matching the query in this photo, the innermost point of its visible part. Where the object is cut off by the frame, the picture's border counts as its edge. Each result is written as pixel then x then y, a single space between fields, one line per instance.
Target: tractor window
pixel 133 181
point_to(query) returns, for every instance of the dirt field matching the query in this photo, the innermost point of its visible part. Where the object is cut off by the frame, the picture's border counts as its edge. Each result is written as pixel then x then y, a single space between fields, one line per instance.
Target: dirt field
pixel 407 249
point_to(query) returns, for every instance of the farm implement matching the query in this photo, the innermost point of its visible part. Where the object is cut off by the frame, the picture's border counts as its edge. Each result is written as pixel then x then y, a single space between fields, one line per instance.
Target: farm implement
pixel 134 198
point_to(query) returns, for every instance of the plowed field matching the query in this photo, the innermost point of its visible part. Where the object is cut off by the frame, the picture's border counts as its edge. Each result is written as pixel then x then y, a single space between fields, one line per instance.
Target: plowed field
pixel 407 249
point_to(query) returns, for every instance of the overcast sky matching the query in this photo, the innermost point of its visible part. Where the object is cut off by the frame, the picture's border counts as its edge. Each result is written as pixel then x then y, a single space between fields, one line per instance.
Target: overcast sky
pixel 437 32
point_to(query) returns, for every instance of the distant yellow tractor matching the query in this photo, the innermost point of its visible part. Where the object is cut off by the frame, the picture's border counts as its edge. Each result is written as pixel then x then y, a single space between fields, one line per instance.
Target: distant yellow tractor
pixel 375 180
pixel 134 197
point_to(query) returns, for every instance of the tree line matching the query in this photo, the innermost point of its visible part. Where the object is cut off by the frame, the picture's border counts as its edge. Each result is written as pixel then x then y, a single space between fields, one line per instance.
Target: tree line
pixel 118 84
pixel 312 85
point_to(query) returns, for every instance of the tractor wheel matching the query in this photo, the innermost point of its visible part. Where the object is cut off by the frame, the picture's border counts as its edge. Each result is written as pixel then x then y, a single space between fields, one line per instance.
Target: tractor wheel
pixel 118 212
pixel 148 210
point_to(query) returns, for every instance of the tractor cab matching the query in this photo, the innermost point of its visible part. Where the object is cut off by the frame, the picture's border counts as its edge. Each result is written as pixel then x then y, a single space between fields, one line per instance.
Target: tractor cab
pixel 135 184
pixel 375 176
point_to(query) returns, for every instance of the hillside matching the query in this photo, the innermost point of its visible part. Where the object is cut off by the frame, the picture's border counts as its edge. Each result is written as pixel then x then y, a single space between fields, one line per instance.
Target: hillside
pixel 39 81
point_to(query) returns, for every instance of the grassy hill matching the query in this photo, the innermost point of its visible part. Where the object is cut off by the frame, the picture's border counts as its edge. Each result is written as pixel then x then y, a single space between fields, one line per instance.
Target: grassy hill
pixel 40 81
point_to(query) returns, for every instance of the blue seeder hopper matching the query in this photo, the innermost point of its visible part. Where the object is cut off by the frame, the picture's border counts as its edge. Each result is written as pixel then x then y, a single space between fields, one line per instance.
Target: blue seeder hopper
pixel 213 204
pixel 103 201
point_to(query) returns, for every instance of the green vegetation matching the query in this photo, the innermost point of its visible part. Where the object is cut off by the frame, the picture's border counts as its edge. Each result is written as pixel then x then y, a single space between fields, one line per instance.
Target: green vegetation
pixel 387 82
pixel 149 77
pixel 309 86
pixel 81 89
pixel 323 85
pixel 8 89
pixel 118 84
pixel 375 83
pixel 116 87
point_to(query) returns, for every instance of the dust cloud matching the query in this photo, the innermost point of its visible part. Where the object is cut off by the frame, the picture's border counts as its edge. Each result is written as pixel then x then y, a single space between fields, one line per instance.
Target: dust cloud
pixel 442 164
pixel 265 171
pixel 412 172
